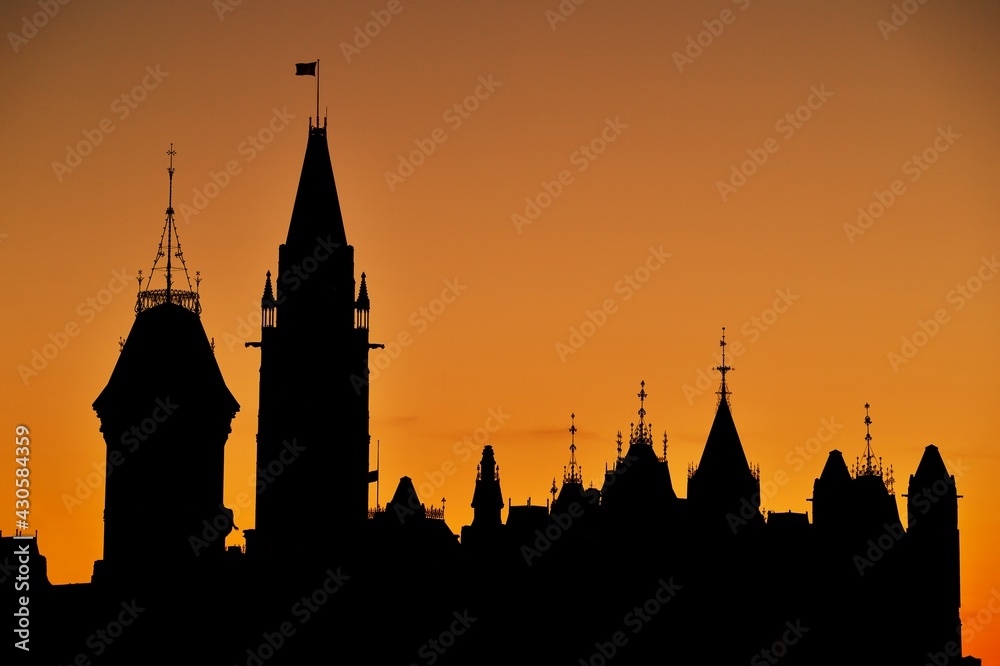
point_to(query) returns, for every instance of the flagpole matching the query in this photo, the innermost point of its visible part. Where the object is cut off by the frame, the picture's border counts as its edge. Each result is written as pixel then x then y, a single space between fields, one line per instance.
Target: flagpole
pixel 317 92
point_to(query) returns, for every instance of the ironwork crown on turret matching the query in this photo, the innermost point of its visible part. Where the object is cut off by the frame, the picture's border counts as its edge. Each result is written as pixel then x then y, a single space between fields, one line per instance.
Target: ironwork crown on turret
pixel 148 298
pixel 867 465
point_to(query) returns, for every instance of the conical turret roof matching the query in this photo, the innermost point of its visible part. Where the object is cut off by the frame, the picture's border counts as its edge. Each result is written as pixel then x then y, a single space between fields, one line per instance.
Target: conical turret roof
pixel 316 213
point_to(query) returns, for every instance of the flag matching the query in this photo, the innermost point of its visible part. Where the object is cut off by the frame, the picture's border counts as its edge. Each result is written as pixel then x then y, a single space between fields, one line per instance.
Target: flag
pixel 305 68
pixel 373 476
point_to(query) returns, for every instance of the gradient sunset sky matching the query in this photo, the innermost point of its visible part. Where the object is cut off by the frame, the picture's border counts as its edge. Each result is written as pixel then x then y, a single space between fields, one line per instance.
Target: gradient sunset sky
pixel 552 202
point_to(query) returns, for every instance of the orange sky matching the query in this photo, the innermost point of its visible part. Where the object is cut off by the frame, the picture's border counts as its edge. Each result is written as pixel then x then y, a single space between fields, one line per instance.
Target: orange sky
pixel 693 165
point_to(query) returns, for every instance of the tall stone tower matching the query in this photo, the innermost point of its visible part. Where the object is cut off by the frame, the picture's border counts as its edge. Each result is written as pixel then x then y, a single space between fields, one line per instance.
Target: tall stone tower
pixel 313 438
pixel 932 529
pixel 165 415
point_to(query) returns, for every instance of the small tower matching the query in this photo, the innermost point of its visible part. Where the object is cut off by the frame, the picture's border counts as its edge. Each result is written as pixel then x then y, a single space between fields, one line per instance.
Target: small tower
pixel 487 532
pixel 639 488
pixel 932 531
pixel 165 415
pixel 487 500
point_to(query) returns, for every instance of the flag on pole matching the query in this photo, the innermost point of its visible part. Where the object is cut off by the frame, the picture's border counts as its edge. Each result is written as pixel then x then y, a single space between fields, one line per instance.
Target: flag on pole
pixel 305 68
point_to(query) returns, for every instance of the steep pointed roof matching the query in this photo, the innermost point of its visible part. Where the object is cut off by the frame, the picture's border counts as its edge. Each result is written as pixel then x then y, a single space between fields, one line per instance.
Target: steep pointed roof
pixel 724 459
pixel 363 302
pixel 931 465
pixel 267 300
pixel 316 213
pixel 835 468
pixel 405 504
pixel 723 454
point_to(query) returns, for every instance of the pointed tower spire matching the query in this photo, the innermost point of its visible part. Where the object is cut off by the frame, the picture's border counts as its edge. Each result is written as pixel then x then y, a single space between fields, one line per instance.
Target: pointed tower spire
pixel 723 391
pixel 724 479
pixel 643 432
pixel 268 308
pixel 869 466
pixel 148 297
pixel 363 305
pixel 572 474
pixel 316 214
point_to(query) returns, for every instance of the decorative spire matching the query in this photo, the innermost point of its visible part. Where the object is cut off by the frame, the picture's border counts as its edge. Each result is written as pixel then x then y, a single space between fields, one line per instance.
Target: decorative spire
pixel 363 305
pixel 643 433
pixel 268 290
pixel 723 391
pixel 642 399
pixel 869 466
pixel 147 297
pixel 268 306
pixel 664 458
pixel 572 475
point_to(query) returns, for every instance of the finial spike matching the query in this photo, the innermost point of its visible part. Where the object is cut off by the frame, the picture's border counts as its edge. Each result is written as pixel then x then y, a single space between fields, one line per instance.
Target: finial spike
pixel 148 297
pixel 573 475
pixel 723 391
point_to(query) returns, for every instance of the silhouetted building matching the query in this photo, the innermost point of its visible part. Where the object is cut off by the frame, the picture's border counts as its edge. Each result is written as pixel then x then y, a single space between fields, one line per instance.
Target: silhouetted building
pixel 314 375
pixel 165 415
pixel 630 572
